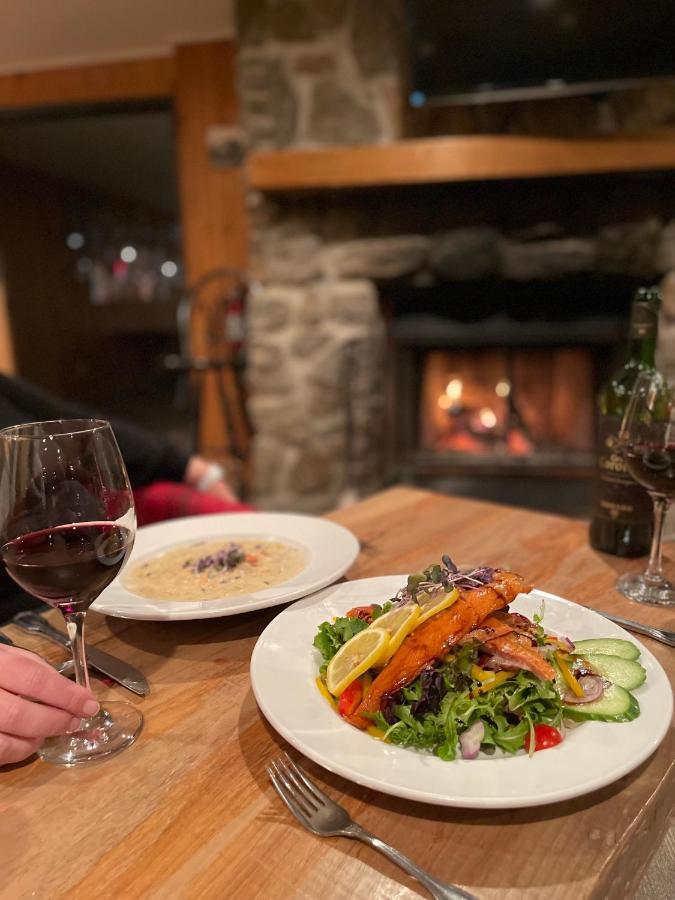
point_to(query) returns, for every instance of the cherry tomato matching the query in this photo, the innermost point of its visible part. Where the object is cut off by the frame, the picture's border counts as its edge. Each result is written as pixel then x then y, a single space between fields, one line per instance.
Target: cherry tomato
pixel 361 612
pixel 545 736
pixel 350 698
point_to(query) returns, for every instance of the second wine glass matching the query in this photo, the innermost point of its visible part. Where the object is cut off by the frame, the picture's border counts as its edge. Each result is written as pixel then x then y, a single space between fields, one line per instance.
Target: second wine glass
pixel 67 526
pixel 647 442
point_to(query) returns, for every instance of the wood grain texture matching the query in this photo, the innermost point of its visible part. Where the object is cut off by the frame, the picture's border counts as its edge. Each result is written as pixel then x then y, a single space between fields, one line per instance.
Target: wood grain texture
pixel 141 79
pixel 188 811
pixel 213 200
pixel 466 158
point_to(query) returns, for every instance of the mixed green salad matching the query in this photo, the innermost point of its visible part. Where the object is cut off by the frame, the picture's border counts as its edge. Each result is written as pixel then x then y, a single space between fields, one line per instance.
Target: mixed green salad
pixel 473 700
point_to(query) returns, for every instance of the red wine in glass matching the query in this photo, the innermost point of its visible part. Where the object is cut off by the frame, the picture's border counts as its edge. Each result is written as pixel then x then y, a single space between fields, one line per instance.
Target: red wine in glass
pixel 652 466
pixel 67 526
pixel 645 441
pixel 69 565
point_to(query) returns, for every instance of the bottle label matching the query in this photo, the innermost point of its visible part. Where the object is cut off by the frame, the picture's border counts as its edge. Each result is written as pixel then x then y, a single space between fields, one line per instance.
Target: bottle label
pixel 618 497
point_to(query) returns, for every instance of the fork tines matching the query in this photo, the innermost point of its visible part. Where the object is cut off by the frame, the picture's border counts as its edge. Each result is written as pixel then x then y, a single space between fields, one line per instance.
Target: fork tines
pixel 302 797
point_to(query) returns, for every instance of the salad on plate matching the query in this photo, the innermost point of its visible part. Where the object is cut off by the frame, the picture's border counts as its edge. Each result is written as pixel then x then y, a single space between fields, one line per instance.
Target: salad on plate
pixel 445 667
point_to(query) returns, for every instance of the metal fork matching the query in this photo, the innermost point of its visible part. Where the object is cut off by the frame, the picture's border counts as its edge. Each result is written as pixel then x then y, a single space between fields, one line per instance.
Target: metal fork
pixel 659 634
pixel 323 816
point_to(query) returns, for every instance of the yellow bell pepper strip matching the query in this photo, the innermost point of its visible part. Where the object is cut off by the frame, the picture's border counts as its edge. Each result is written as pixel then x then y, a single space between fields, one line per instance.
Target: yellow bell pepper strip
pixel 500 678
pixel 323 690
pixel 556 642
pixel 479 674
pixel 566 673
pixel 375 732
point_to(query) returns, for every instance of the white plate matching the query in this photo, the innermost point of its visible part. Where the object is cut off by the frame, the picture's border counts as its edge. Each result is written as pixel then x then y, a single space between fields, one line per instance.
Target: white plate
pixel 330 550
pixel 284 666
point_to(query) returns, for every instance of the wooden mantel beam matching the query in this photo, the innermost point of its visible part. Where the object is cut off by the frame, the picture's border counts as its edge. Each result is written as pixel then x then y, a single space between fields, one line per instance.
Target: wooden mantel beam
pixel 446 159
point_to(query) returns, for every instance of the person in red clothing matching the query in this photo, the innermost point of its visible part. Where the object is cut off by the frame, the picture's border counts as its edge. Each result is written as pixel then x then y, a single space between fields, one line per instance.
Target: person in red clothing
pixel 166 483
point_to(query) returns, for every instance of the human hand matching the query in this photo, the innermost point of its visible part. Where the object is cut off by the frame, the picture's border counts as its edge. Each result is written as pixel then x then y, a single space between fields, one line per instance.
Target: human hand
pixel 199 475
pixel 36 702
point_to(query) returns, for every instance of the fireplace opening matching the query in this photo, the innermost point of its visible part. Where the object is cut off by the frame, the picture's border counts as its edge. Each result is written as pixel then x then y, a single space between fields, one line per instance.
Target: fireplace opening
pixel 509 403
pixel 494 385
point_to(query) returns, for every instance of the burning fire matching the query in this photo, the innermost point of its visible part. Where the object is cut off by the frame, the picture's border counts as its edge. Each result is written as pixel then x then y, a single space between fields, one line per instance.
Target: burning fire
pixel 507 402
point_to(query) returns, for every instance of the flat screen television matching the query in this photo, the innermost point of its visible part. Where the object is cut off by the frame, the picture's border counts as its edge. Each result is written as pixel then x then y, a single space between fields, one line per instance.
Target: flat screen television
pixel 486 51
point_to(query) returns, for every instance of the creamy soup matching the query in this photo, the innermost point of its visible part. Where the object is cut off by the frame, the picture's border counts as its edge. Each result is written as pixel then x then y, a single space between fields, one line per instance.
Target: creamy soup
pixel 210 570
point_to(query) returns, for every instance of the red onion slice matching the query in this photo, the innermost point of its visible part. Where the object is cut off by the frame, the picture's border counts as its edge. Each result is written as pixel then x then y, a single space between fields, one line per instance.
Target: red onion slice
pixel 469 740
pixel 592 686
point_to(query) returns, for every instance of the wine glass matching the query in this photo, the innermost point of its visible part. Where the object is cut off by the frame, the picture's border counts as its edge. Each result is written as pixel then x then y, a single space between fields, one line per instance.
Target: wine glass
pixel 647 443
pixel 67 526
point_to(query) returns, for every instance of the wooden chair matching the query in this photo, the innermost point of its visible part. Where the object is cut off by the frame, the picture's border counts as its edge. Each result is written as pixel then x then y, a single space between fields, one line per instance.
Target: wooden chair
pixel 212 345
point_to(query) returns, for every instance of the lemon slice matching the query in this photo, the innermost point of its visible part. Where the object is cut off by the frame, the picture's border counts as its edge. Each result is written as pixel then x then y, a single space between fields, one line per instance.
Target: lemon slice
pixel 360 653
pixel 430 605
pixel 398 622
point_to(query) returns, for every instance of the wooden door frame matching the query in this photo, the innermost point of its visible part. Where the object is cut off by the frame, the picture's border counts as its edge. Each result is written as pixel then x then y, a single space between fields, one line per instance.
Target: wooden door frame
pixel 199 81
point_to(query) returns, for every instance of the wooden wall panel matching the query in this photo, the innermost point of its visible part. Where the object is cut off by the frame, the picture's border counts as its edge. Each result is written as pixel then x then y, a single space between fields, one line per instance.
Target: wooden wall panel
pixel 42 293
pixel 212 199
pixel 7 366
pixel 141 79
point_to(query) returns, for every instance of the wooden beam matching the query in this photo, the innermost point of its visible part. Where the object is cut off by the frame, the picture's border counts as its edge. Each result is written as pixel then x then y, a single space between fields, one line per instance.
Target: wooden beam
pixel 431 160
pixel 97 83
pixel 7 364
pixel 213 200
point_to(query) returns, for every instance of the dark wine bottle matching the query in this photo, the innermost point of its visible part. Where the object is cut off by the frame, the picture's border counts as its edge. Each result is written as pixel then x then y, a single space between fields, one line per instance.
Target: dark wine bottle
pixel 623 518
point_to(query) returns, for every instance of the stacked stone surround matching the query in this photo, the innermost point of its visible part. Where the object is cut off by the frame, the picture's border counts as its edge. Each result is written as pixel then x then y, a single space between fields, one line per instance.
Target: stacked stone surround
pixel 317 359
pixel 315 72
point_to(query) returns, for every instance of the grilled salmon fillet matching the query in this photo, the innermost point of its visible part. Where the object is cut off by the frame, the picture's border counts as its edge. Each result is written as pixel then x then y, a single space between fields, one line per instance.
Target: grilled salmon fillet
pixel 516 650
pixel 436 636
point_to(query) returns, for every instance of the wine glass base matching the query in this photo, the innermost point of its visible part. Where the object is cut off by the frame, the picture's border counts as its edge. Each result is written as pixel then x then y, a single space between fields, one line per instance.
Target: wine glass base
pixel 637 588
pixel 114 728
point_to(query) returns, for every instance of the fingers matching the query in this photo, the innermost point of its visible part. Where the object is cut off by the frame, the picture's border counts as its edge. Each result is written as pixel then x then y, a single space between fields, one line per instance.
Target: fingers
pixel 27 675
pixel 23 718
pixel 14 749
pixel 223 491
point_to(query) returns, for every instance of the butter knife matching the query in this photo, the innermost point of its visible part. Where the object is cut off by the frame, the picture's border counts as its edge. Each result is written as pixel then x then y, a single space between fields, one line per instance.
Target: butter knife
pixel 659 634
pixel 121 672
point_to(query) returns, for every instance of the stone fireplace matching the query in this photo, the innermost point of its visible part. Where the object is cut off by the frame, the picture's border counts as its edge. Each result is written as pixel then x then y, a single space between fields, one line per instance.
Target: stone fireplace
pixel 453 335
pixel 362 327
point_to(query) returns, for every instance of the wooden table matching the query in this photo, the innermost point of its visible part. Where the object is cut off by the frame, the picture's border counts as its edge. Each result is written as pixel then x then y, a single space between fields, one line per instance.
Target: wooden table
pixel 188 811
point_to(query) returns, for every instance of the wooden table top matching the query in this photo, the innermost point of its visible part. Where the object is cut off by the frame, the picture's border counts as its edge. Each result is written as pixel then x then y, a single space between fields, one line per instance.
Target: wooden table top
pixel 188 811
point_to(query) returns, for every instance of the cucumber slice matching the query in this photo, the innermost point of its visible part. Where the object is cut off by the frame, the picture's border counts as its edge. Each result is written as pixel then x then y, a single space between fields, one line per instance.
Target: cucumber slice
pixel 627 673
pixel 608 647
pixel 617 705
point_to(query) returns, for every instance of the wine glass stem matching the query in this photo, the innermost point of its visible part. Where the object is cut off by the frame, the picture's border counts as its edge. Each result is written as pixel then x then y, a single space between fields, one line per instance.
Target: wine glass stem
pixel 654 572
pixel 75 627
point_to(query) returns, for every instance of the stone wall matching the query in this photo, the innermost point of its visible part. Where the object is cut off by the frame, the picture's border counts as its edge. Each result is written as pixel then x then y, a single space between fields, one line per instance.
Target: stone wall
pixel 316 390
pixel 315 72
pixel 320 71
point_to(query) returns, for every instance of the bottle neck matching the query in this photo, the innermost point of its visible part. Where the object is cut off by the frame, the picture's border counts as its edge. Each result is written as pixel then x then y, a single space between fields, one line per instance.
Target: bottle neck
pixel 642 349
pixel 642 335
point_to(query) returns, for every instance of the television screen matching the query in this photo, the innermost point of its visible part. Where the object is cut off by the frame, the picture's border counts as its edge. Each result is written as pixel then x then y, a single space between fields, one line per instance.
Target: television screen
pixel 473 51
